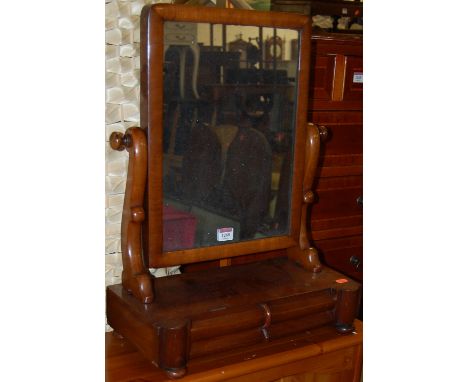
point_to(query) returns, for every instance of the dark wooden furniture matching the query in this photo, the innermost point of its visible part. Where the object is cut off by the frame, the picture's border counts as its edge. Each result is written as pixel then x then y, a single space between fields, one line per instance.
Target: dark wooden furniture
pixel 335 100
pixel 185 320
pixel 318 357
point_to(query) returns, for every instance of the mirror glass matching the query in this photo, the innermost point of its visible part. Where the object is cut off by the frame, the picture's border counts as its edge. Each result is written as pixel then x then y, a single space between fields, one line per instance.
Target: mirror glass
pixel 228 133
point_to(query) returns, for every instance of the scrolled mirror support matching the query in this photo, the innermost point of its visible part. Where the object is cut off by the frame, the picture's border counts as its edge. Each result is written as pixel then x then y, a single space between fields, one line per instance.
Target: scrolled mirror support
pixel 305 254
pixel 136 278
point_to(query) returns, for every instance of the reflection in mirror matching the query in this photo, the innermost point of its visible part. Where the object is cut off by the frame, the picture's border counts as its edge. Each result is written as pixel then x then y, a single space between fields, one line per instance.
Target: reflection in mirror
pixel 229 115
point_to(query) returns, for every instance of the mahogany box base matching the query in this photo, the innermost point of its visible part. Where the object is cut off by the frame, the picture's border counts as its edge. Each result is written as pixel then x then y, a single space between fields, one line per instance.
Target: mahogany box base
pixel 216 312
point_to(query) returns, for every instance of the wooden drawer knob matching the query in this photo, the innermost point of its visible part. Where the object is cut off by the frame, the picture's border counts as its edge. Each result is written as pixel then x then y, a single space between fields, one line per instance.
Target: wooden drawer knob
pixel 323 131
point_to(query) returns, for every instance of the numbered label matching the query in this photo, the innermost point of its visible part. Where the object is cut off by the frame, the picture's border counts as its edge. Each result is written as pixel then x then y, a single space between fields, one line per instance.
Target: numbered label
pixel 225 234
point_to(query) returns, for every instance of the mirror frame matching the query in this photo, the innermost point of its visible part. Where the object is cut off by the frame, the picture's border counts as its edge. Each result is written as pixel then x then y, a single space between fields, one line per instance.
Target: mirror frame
pixel 151 120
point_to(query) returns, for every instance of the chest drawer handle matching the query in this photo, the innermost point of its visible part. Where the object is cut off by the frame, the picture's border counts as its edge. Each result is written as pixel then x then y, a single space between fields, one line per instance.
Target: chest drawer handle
pixel 355 262
pixel 359 200
pixel 323 131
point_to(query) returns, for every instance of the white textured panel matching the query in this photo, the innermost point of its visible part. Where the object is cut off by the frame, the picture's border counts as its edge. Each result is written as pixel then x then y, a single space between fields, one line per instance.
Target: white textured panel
pixel 112 229
pixel 116 164
pixel 130 50
pixel 129 22
pixel 120 65
pixel 113 215
pixel 113 268
pixel 125 9
pixel 158 272
pixel 163 272
pixel 115 201
pixel 173 270
pixel 130 79
pixel 112 80
pixel 115 95
pixel 120 95
pixel 112 51
pixel 136 62
pixel 136 34
pixel 113 65
pixel 111 24
pixel 113 113
pixel 130 112
pixel 114 36
pixel 112 10
pixel 132 94
pixel 136 7
pixel 126 64
pixel 127 36
pixel 115 184
pixel 118 36
pixel 113 244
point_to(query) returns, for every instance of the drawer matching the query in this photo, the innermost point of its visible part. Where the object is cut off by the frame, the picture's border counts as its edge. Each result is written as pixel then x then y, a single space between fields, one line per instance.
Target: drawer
pixel 336 82
pixel 344 132
pixel 344 255
pixel 179 38
pixel 321 78
pixel 332 203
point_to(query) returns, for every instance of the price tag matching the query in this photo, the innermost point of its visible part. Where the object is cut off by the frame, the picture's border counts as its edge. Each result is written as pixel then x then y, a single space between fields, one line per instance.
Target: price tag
pixel 225 234
pixel 358 78
pixel 341 281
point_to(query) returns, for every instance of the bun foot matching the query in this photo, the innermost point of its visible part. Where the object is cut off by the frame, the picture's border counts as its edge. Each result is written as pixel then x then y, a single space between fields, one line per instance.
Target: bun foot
pixel 176 373
pixel 344 328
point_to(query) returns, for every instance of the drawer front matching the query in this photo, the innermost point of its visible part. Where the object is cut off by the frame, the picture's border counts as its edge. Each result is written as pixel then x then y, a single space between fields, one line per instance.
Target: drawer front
pixel 342 151
pixel 344 255
pixel 180 38
pixel 337 203
pixel 336 75
pixel 337 197
pixel 321 79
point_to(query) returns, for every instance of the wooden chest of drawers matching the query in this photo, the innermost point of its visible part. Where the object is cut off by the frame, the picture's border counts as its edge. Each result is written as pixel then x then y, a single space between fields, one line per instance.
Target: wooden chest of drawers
pixel 335 101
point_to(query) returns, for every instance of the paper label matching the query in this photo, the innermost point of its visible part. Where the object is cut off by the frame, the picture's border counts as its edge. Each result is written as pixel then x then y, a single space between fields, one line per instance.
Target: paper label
pixel 358 78
pixel 225 234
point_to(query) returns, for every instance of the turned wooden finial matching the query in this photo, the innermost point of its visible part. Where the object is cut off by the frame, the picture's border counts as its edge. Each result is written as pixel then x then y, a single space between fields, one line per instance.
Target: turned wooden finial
pixel 119 141
pixel 308 197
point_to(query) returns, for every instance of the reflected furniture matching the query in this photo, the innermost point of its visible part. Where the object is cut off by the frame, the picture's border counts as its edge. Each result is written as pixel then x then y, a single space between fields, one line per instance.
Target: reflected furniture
pixel 203 188
pixel 184 37
pixel 335 9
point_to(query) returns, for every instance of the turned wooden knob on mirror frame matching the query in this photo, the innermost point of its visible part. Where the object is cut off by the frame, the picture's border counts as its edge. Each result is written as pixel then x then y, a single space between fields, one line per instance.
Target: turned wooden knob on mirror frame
pixel 119 141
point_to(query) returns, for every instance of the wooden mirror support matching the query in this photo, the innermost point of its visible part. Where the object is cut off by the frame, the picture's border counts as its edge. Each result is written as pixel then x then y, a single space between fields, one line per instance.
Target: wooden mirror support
pixel 305 254
pixel 216 315
pixel 136 278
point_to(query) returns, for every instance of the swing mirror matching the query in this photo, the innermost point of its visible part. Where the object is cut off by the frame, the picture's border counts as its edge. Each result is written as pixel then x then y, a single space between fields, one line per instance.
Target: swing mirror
pixel 222 106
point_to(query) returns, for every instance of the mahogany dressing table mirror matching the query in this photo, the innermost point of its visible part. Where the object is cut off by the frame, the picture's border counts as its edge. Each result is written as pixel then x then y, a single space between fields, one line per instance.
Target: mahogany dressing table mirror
pixel 221 167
